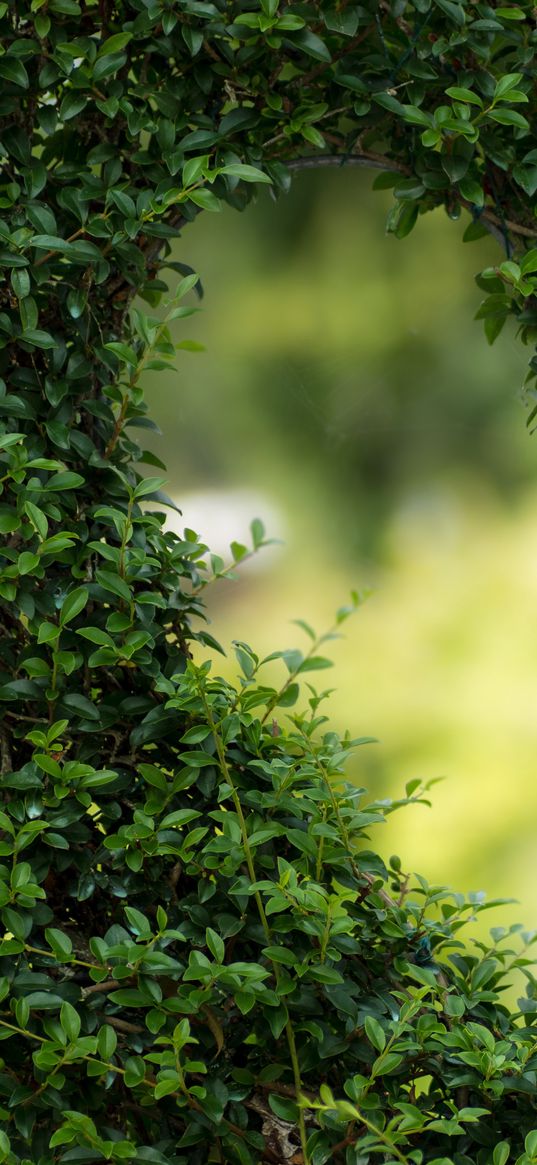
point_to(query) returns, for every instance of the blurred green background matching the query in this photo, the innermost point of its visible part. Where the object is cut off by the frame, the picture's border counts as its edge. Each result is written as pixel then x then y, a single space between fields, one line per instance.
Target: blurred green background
pixel 349 399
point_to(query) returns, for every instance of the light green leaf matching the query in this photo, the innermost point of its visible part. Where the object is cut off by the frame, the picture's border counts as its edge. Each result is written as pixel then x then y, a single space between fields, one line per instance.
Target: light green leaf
pixel 215 944
pixel 245 173
pixel 70 1021
pixel 460 94
pixel 205 199
pixel 115 44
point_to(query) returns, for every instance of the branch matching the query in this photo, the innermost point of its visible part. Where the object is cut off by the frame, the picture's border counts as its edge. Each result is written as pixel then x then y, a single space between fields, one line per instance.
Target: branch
pixel 376 161
pixel 490 221
pixel 122 1025
pixel 107 985
pixel 513 227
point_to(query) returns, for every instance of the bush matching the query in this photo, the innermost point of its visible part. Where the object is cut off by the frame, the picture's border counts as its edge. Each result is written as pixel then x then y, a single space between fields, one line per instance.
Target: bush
pixel 201 959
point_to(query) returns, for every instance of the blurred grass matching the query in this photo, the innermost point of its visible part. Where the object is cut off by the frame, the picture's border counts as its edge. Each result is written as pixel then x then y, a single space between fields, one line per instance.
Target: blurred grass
pixel 346 382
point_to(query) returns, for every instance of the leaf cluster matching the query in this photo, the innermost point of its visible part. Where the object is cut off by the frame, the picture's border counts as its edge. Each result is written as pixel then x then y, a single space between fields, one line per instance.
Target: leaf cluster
pixel 218 962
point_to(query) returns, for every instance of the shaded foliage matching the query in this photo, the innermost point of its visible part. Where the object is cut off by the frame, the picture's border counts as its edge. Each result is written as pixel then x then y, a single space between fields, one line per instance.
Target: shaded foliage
pixel 201 960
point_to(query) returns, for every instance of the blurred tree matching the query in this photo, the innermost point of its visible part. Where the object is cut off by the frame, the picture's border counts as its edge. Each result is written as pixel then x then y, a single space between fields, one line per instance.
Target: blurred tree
pixel 335 359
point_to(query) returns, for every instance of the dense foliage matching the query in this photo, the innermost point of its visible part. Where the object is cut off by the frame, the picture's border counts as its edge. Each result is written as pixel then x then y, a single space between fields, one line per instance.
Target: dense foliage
pixel 201 960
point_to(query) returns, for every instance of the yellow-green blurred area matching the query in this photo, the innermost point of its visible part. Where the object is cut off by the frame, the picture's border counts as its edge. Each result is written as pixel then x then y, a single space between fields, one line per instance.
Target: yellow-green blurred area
pixel 348 396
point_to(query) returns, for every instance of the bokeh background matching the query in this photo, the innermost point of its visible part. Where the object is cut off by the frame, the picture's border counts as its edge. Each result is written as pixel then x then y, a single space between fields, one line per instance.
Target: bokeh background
pixel 348 398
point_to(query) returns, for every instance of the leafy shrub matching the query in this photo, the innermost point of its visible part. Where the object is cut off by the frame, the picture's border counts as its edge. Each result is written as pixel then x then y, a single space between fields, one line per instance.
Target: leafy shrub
pixel 201 960
pixel 201 937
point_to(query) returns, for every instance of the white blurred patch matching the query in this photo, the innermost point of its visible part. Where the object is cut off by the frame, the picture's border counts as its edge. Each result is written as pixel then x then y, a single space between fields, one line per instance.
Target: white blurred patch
pixel 220 517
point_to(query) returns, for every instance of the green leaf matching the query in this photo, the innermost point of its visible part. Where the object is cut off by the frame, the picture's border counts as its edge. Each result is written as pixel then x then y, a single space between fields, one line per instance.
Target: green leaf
pixel 501 1153
pixel 114 44
pixel 60 943
pixel 27 562
pixel 62 481
pixel 70 1021
pixel 245 1000
pixel 81 706
pixel 344 22
pixel 44 1001
pixel 20 282
pixel 289 696
pixel 7 439
pixel 526 177
pixel 47 764
pixel 509 81
pixel 134 1071
pixel 72 104
pixel 114 584
pixel 375 1033
pixel 510 270
pixel 276 904
pixel 14 71
pixel 509 117
pixel 416 116
pixel 179 817
pixel 257 530
pixel 315 663
pixel 154 777
pixel 148 485
pixel 48 633
pixel 171 1083
pixel 245 173
pixel 283 1107
pixel 38 339
pixel 467 95
pixel 454 11
pixel 472 191
pixel 311 44
pixel 454 1006
pixel 277 1018
pixel 73 604
pixel 289 23
pixel 195 168
pixel 28 311
pixel 198 759
pixel 281 955
pixel 106 1042
pixel 96 635
pixel 431 138
pixel 215 944
pixel 37 518
pixel 195 736
pixel 386 1064
pixel 50 243
pixel 205 199
pixel 124 353
pixel 76 302
pixel 9 520
pixel 139 923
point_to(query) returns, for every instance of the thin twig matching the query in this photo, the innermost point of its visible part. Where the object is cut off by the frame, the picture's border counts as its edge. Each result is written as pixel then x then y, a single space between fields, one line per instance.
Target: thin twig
pixel 21 716
pixel 122 1025
pixel 107 985
pixel 6 764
